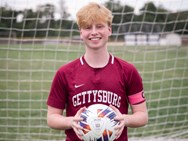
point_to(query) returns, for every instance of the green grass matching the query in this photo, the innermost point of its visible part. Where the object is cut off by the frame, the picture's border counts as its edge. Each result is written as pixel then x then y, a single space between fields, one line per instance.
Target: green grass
pixel 26 72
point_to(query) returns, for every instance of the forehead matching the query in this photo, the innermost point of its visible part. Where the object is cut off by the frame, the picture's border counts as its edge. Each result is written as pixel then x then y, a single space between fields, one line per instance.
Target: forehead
pixel 93 21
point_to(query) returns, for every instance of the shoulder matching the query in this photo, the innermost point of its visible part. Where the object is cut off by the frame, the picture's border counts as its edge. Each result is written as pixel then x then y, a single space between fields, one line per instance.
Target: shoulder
pixel 125 65
pixel 66 71
pixel 70 66
pixel 128 69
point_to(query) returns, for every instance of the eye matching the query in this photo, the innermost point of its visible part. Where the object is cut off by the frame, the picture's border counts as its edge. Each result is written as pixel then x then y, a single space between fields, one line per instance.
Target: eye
pixel 99 26
pixel 87 27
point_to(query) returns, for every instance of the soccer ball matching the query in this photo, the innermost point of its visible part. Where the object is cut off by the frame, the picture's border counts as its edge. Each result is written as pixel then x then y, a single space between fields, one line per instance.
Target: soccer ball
pixel 98 123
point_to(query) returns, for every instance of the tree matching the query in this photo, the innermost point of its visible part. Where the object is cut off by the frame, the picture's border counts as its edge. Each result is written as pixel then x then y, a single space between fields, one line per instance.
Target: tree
pixel 149 12
pixel 63 10
pixel 122 14
pixel 8 19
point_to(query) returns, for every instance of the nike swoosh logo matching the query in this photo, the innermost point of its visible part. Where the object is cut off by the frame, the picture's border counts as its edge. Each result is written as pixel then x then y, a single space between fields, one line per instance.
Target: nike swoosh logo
pixel 77 86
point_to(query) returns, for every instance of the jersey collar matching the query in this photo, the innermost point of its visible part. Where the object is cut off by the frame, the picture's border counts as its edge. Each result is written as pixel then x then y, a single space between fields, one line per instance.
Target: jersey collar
pixel 111 60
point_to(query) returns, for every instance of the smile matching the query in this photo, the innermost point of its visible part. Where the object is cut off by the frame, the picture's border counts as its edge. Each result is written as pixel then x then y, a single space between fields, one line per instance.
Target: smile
pixel 95 38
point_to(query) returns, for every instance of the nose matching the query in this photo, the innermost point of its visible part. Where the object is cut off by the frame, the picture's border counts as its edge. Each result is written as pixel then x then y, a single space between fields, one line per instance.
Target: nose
pixel 94 30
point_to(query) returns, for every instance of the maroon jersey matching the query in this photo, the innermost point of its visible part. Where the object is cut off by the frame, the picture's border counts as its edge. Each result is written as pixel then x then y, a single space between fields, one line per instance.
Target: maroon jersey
pixel 76 85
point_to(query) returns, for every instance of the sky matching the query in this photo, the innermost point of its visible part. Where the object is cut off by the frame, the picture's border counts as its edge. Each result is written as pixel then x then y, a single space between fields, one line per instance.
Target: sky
pixel 72 6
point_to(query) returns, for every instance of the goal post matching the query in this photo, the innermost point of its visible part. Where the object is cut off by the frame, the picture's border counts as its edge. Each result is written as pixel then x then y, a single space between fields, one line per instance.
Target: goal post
pixel 34 44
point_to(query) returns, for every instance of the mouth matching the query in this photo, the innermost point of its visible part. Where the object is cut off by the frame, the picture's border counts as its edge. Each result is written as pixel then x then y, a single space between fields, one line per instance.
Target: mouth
pixel 95 38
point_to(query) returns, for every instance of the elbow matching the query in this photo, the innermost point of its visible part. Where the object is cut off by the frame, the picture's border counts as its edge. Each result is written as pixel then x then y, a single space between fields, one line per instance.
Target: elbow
pixel 145 119
pixel 49 122
pixel 146 122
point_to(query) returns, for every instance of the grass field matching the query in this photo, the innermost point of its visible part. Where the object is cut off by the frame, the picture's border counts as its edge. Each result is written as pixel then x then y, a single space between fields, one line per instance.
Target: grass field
pixel 26 72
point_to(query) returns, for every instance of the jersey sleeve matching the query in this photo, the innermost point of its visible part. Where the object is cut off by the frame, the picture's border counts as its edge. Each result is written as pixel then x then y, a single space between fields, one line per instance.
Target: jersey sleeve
pixel 135 87
pixel 57 95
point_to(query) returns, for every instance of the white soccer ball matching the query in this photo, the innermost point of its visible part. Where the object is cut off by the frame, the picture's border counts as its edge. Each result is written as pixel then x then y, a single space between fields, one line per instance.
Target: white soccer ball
pixel 98 123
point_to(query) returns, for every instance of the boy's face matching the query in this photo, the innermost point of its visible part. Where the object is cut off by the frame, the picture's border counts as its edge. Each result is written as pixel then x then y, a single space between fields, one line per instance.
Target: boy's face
pixel 95 35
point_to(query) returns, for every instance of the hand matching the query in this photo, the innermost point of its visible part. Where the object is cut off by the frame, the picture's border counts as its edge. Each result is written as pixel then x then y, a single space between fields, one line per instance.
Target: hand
pixel 75 126
pixel 122 122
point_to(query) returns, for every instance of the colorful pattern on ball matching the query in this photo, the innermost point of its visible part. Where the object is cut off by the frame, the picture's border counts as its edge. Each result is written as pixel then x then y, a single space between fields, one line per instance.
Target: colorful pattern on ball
pixel 98 123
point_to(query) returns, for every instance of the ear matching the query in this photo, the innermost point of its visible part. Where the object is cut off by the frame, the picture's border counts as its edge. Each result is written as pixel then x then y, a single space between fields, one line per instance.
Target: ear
pixel 110 30
pixel 80 34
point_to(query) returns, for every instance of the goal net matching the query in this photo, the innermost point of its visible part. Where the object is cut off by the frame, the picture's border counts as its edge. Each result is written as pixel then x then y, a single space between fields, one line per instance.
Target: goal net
pixel 35 43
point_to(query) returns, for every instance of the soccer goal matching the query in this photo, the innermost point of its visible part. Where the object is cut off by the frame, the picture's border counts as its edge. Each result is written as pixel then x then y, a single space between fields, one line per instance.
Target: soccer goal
pixel 35 43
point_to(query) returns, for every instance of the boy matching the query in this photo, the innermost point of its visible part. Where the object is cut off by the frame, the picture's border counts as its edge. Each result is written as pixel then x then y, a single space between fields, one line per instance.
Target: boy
pixel 96 77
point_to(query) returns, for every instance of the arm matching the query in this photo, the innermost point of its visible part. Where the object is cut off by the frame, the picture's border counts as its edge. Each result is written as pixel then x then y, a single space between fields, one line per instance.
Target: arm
pixel 138 118
pixel 56 120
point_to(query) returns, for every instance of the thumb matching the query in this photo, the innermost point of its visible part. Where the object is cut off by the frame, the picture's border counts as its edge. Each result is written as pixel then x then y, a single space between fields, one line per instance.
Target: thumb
pixel 80 111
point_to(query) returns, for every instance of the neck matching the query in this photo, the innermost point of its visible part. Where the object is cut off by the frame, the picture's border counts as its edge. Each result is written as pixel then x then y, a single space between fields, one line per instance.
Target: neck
pixel 97 58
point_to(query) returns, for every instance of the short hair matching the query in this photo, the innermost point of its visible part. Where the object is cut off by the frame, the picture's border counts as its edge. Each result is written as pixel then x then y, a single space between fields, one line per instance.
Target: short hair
pixel 93 13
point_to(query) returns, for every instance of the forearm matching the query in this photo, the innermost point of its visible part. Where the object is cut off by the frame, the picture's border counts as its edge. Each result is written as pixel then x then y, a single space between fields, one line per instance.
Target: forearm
pixel 60 122
pixel 137 119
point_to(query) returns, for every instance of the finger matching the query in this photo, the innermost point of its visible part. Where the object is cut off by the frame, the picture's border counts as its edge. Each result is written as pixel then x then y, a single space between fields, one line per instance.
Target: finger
pixel 117 136
pixel 77 119
pixel 119 126
pixel 80 137
pixel 79 134
pixel 119 118
pixel 80 111
pixel 76 126
pixel 74 123
pixel 115 109
pixel 118 133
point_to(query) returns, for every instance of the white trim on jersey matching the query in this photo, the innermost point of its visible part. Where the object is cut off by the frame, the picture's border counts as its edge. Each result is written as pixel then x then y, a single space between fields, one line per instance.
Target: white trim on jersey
pixel 112 61
pixel 81 60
